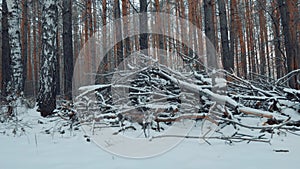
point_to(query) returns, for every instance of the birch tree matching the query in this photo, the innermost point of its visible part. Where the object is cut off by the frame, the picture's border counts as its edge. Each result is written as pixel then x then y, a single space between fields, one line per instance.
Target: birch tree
pixel 47 90
pixel 16 85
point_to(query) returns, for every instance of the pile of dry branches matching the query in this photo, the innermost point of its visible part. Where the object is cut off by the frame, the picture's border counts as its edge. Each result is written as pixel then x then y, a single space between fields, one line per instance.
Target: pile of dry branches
pixel 156 95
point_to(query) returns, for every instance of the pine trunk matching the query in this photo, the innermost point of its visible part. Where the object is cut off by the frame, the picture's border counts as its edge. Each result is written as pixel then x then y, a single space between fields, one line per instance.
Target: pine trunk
pixel 6 69
pixel 262 27
pixel 143 27
pixel 125 12
pixel 210 32
pixel 119 56
pixel 288 41
pixel 232 31
pixel 227 59
pixel 243 63
pixel 67 48
pixel 24 38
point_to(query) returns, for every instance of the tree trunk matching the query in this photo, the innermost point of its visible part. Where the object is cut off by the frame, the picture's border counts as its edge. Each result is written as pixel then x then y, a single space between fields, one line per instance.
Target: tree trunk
pixel 200 44
pixel 227 59
pixel 34 53
pixel 67 48
pixel 39 8
pixel 214 17
pixel 47 90
pixel 183 28
pixel 6 60
pixel 143 27
pixel 262 27
pixel 193 33
pixel 58 59
pixel 210 32
pixel 106 65
pixel 24 38
pixel 16 85
pixel 294 23
pixel 288 41
pixel 119 55
pixel 250 41
pixel 28 50
pixel 240 32
pixel 277 45
pixel 90 17
pixel 77 40
pixel 232 30
pixel 125 12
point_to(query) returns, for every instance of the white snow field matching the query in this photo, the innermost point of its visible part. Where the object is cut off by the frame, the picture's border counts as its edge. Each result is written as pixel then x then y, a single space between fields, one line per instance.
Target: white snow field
pixel 36 150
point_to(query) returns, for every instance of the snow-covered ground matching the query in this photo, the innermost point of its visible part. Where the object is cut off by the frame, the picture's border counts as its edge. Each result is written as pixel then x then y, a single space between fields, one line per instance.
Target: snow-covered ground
pixel 35 149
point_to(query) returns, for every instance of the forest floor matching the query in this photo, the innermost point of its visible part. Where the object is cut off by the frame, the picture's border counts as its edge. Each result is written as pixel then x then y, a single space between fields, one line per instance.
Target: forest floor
pixel 35 146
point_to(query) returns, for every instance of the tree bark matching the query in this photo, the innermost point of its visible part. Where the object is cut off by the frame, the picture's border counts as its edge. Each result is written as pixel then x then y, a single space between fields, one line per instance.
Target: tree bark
pixel 210 32
pixel 34 53
pixel 143 27
pixel 47 91
pixel 232 30
pixel 279 66
pixel 227 59
pixel 119 55
pixel 24 38
pixel 262 27
pixel 67 48
pixel 240 32
pixel 200 45
pixel 58 59
pixel 125 12
pixel 6 60
pixel 250 41
pixel 16 84
pixel 293 8
pixel 290 50
pixel 106 65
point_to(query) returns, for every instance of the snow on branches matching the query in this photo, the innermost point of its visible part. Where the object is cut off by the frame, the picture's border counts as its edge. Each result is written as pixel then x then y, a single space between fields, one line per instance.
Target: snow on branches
pixel 153 97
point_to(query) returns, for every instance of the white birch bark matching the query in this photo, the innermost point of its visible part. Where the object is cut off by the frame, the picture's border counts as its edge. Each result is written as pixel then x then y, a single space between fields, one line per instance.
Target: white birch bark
pixel 16 83
pixel 47 90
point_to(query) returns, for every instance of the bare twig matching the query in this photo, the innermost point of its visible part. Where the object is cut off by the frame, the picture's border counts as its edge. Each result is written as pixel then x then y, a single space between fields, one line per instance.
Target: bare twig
pixel 264 140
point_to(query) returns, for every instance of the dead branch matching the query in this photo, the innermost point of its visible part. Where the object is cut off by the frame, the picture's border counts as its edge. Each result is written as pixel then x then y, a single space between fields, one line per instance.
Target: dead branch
pixel 287 76
pixel 222 106
pixel 233 138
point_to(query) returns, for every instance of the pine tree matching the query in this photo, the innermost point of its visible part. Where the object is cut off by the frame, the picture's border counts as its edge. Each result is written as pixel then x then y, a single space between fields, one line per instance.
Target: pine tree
pixel 209 31
pixel 5 49
pixel 143 27
pixel 24 37
pixel 227 59
pixel 67 48
pixel 288 39
pixel 119 56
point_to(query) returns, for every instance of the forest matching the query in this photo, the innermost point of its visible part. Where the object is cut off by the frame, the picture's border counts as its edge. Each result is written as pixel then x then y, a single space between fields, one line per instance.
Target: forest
pixel 145 65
